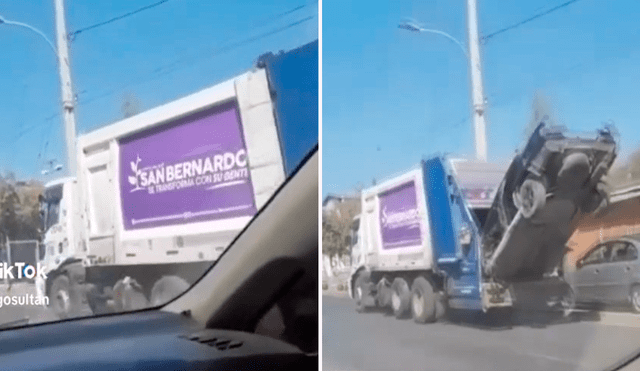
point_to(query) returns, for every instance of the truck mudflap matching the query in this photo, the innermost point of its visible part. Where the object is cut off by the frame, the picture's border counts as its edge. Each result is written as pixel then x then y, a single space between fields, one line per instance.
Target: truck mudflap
pixel 545 189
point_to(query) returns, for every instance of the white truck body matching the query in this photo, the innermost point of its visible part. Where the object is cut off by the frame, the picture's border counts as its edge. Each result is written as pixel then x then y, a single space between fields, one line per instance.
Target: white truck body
pixel 91 227
pixel 415 254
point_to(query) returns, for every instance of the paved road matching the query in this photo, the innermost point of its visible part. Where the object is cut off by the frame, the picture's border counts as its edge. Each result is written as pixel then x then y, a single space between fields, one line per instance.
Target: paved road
pixel 378 341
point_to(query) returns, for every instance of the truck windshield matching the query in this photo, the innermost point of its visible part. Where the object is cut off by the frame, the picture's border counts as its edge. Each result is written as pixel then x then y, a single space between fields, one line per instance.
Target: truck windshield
pixel 50 207
pixel 354 232
pixel 51 213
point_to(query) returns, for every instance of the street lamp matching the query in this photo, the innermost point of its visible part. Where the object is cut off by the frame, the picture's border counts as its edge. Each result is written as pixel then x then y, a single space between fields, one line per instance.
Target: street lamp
pixel 24 25
pixel 62 54
pixel 415 28
pixel 477 93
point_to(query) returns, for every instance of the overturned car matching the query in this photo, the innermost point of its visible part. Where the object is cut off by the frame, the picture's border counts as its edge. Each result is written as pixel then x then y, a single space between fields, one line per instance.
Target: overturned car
pixel 548 185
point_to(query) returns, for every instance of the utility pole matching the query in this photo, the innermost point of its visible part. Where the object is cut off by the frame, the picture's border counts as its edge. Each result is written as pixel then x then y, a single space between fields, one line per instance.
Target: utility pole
pixel 477 91
pixel 66 86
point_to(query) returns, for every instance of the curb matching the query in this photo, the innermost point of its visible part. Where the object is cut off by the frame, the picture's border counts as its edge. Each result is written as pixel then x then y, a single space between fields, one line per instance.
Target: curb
pixel 337 294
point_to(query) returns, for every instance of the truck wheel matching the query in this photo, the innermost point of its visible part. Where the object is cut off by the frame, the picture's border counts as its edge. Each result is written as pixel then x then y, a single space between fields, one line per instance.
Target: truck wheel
pixel 361 290
pixel 532 197
pixel 63 299
pixel 384 293
pixel 166 289
pixel 128 296
pixel 400 297
pixel 423 301
pixel 441 306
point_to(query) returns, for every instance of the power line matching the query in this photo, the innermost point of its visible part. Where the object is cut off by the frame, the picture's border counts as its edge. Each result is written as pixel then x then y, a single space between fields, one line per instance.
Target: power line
pixel 283 14
pixel 73 34
pixel 565 4
pixel 181 63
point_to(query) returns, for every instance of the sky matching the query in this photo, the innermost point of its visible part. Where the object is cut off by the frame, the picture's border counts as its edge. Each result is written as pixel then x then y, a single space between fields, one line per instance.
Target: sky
pixel 158 55
pixel 391 96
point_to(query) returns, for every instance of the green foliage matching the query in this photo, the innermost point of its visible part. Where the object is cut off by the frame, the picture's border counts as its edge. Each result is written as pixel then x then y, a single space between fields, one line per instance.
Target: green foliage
pixel 336 228
pixel 19 209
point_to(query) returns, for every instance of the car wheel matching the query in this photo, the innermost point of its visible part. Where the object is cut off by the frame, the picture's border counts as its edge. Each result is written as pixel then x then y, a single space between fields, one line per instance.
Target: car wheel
pixel 360 290
pixel 532 197
pixel 635 298
pixel 568 302
pixel 400 297
pixel 423 301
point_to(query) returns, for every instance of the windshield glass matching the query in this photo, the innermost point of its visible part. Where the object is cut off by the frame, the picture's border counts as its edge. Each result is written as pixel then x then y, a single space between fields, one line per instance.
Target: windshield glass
pixel 169 142
pixel 528 106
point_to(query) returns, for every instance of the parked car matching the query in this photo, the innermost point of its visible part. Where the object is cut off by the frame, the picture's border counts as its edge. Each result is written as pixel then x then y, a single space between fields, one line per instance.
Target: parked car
pixel 609 273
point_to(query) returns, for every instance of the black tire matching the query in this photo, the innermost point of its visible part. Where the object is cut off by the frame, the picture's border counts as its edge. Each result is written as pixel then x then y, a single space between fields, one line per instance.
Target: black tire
pixel 361 290
pixel 166 289
pixel 596 201
pixel 400 298
pixel 96 303
pixel 532 197
pixel 423 301
pixel 383 294
pixel 568 302
pixel 128 297
pixel 635 298
pixel 441 306
pixel 64 300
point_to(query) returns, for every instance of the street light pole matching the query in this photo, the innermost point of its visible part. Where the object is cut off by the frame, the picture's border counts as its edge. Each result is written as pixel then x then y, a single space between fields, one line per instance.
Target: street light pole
pixel 62 54
pixel 477 93
pixel 473 58
pixel 66 86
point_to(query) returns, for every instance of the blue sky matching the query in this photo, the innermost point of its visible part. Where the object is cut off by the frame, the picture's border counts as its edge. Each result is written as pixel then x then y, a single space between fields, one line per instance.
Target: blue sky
pixel 391 96
pixel 127 57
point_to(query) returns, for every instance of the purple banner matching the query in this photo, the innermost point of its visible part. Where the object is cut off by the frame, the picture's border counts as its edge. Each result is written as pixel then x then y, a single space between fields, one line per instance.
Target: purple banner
pixel 399 217
pixel 192 170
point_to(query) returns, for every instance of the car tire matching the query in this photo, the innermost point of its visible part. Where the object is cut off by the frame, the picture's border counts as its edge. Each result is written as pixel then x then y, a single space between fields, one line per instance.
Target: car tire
pixel 400 298
pixel 360 290
pixel 423 301
pixel 635 298
pixel 532 197
pixel 568 302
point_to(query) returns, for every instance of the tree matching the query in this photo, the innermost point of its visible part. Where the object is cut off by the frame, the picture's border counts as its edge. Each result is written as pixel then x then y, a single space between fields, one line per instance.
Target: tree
pixel 336 228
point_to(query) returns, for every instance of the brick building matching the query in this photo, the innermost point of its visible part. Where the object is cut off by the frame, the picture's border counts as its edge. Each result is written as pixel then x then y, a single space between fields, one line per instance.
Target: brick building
pixel 620 218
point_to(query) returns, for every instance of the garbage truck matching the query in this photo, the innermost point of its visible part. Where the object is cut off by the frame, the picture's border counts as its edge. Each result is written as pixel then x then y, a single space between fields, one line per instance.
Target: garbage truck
pixel 158 197
pixel 451 234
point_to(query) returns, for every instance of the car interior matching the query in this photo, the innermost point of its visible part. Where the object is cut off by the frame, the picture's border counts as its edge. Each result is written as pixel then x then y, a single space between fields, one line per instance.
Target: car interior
pixel 256 308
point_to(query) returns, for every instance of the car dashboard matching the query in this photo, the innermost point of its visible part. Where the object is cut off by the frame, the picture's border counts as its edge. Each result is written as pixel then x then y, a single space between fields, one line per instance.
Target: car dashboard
pixel 147 340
